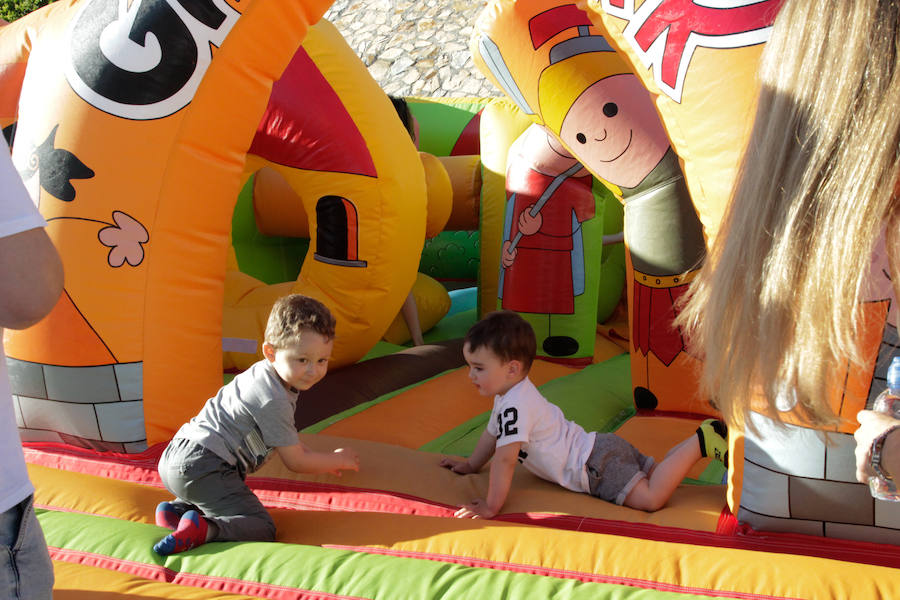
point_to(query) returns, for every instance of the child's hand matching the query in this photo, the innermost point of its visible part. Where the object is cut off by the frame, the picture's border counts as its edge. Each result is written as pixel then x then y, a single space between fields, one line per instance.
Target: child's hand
pixel 348 460
pixel 461 467
pixel 477 509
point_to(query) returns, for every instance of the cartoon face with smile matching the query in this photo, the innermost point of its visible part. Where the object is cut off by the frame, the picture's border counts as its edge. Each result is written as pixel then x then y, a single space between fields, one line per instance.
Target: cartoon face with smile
pixel 614 130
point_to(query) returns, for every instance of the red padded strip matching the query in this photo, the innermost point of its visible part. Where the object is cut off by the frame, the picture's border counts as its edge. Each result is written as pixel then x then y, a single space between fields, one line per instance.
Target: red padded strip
pixel 743 538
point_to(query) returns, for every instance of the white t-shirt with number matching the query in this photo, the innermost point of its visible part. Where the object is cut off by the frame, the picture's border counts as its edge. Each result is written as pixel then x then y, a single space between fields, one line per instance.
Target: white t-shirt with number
pixel 553 448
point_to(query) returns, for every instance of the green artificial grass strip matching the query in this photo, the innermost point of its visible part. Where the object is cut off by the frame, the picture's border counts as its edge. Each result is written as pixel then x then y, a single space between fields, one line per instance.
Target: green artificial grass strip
pixel 317 427
pixel 598 398
pixel 343 573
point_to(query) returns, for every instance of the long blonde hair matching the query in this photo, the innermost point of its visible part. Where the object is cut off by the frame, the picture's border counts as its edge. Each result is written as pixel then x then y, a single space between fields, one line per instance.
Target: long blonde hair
pixel 776 305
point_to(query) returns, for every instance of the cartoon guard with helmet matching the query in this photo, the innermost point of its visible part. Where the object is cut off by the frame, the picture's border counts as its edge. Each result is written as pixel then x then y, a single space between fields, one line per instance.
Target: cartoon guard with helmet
pixel 550 196
pixel 603 115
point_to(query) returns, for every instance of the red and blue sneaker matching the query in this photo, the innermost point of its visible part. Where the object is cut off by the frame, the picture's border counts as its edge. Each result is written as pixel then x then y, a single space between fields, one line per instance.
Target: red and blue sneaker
pixel 190 533
pixel 168 515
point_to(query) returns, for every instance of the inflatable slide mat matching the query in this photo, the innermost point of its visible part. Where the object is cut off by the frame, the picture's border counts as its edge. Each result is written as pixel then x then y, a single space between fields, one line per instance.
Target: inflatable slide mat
pixel 386 531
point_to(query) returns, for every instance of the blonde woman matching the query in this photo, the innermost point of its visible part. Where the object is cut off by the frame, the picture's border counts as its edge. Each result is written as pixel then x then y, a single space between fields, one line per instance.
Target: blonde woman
pixel 776 307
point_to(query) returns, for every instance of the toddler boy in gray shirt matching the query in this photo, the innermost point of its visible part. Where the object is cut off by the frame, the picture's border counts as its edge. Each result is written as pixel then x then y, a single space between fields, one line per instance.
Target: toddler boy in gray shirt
pixel 206 462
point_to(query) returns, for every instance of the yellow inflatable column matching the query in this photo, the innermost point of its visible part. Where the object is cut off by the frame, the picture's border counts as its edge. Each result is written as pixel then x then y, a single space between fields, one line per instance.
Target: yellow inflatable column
pixel 431 297
pixel 561 70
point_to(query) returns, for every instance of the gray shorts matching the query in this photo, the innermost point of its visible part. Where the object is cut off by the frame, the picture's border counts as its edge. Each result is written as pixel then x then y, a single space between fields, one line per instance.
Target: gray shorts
pixel 615 467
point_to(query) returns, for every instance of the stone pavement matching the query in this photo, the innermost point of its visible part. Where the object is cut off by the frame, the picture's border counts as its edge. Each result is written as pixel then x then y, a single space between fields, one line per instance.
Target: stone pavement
pixel 415 47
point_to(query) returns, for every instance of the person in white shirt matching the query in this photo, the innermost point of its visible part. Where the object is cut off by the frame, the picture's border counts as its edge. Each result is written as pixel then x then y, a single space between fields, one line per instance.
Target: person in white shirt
pixel 525 427
pixel 31 281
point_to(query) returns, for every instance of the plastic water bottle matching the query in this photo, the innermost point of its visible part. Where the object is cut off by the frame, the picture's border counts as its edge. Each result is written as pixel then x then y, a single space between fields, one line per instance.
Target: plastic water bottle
pixel 888 402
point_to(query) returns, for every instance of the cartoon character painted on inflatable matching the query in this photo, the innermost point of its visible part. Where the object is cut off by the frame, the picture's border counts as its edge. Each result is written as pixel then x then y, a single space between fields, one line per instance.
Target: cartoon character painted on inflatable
pixel 549 197
pixel 601 112
pixel 626 145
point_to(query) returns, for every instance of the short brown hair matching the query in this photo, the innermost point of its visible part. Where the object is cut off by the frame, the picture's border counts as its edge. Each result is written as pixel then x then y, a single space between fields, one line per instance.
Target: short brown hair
pixel 506 334
pixel 405 114
pixel 292 315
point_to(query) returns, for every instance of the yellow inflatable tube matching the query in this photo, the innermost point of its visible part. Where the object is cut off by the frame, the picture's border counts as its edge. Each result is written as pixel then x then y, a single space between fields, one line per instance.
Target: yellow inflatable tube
pixel 342 151
pixel 363 260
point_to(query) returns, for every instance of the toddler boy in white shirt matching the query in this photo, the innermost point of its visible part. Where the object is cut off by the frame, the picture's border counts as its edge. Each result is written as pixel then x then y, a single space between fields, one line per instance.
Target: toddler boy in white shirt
pixel 525 427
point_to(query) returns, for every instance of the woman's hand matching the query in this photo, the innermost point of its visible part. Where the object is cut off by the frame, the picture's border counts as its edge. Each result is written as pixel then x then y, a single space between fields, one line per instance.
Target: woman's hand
pixel 871 425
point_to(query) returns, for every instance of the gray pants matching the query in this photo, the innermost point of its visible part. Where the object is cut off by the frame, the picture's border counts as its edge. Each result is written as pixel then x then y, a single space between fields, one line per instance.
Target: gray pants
pixel 203 481
pixel 26 572
pixel 615 467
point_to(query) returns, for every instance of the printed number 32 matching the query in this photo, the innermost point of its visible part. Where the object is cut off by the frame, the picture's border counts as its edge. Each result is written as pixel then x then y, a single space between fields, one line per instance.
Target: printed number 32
pixel 506 423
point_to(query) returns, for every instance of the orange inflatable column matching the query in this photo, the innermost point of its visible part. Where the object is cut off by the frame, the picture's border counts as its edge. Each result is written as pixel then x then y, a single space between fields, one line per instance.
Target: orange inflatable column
pixel 207 165
pixel 134 154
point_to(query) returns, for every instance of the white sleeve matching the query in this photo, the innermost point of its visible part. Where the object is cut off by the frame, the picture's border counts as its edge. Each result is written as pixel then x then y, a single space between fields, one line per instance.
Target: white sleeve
pixel 17 211
pixel 492 422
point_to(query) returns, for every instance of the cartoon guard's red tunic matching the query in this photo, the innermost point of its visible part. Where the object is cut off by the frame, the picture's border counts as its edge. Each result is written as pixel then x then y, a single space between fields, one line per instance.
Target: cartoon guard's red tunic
pixel 540 278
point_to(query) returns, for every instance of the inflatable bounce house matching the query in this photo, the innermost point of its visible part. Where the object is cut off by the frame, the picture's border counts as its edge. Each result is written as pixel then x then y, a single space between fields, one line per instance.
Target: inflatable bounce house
pixel 197 159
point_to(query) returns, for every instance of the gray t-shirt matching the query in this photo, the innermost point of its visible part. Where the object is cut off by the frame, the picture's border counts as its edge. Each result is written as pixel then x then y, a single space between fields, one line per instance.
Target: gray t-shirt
pixel 250 416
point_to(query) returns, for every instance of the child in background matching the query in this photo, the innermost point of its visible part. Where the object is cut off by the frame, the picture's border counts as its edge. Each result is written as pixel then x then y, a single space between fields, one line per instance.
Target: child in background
pixel 409 310
pixel 524 426
pixel 206 463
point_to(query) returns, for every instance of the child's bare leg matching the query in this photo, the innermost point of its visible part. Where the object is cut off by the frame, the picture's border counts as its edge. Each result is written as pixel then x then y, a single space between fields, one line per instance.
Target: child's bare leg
pixel 690 440
pixel 711 439
pixel 652 493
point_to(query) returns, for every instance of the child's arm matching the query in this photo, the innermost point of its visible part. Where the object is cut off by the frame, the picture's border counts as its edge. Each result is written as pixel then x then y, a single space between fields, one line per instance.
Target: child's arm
pixel 299 458
pixel 502 468
pixel 483 452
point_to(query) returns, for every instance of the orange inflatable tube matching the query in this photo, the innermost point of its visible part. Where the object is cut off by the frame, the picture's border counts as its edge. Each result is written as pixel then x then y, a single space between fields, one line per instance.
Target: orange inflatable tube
pixel 133 123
